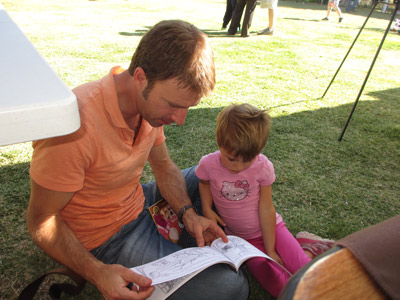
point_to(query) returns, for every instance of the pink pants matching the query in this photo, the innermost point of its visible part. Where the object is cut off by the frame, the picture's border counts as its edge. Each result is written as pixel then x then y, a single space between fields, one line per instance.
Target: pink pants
pixel 271 277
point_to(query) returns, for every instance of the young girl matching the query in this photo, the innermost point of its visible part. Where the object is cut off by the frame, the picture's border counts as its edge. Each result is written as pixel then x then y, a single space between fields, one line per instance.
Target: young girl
pixel 334 4
pixel 237 179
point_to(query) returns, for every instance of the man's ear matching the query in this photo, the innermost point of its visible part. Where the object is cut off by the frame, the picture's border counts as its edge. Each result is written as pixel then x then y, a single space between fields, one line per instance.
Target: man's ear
pixel 140 77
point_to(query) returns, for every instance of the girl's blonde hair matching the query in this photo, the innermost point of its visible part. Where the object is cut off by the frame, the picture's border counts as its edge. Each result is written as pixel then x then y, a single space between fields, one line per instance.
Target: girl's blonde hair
pixel 243 130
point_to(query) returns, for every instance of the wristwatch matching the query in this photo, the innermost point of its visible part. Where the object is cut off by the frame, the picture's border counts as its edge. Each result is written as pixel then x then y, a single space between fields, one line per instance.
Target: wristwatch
pixel 183 210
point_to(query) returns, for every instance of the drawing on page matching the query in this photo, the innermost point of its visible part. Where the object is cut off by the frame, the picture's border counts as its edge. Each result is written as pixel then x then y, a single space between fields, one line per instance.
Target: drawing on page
pixel 175 263
pixel 235 249
pixel 168 286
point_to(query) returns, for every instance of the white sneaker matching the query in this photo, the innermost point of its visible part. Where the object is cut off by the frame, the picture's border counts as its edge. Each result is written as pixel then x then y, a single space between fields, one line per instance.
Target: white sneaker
pixel 266 31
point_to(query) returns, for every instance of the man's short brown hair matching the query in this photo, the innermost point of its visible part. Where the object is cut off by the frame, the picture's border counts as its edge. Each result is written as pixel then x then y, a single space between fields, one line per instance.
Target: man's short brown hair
pixel 176 49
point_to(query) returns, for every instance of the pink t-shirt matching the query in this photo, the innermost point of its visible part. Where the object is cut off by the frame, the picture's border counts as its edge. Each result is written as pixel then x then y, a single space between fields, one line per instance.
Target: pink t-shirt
pixel 237 196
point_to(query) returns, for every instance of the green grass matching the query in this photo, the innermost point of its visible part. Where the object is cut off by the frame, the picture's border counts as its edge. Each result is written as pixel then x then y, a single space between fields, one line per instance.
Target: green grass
pixel 328 187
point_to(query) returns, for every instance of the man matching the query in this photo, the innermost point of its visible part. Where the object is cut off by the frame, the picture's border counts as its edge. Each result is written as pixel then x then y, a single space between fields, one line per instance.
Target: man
pixel 87 208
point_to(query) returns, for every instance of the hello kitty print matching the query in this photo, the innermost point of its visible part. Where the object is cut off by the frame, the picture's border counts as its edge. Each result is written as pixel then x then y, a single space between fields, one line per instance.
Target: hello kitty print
pixel 235 191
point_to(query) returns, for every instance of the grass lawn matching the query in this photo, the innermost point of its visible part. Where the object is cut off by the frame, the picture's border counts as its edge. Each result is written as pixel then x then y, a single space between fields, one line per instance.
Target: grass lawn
pixel 324 186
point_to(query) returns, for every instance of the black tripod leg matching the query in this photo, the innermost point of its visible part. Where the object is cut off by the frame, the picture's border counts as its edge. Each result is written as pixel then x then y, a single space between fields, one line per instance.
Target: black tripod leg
pixel 351 47
pixel 369 72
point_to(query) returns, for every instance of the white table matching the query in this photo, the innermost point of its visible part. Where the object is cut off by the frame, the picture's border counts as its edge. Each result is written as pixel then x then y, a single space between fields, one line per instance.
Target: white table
pixel 34 102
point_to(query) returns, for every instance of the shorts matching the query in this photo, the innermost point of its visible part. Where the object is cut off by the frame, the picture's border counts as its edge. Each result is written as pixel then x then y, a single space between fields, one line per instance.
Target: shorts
pixel 269 4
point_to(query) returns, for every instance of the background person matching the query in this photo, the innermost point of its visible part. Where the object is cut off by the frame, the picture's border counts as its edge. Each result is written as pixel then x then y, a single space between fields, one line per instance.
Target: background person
pixel 272 6
pixel 230 7
pixel 247 20
pixel 333 4
pixel 351 5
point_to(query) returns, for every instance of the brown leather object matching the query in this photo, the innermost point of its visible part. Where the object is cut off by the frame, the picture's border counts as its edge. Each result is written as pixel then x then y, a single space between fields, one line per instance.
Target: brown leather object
pixel 377 248
pixel 336 274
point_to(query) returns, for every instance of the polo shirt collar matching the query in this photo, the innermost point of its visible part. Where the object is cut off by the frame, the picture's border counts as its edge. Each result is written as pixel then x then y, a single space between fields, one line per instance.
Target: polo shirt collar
pixel 111 99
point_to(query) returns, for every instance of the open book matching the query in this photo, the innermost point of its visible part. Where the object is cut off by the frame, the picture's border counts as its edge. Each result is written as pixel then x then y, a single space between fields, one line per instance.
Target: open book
pixel 172 271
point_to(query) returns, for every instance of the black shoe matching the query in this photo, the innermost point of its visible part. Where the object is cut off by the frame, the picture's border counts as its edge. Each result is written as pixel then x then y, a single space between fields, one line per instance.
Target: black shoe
pixel 231 32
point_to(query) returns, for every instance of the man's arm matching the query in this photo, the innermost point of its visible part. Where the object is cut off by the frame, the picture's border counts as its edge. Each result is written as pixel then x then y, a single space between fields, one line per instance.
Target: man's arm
pixel 172 186
pixel 51 233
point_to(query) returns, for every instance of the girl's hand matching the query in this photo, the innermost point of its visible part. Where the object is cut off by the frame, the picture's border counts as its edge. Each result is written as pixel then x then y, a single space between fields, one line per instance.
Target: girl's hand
pixel 275 256
pixel 212 215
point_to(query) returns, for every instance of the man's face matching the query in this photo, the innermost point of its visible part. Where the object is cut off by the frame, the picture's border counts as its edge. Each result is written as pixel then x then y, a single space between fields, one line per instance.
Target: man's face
pixel 166 103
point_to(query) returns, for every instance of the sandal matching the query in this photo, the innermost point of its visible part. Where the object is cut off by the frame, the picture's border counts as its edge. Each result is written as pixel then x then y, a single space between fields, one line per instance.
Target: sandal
pixel 313 243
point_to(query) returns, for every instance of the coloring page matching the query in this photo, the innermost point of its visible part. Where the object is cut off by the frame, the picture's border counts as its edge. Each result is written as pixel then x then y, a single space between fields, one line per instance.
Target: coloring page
pixel 179 264
pixel 237 249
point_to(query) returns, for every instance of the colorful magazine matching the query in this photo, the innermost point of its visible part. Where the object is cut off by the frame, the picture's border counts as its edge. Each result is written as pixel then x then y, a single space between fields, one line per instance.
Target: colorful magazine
pixel 166 220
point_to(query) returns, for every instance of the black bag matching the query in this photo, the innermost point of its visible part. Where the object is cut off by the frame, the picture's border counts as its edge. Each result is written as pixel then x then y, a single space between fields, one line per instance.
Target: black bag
pixel 55 289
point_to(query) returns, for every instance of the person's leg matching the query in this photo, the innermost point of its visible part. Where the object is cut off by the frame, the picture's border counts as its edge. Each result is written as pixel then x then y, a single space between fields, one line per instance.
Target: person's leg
pixel 248 17
pixel 271 18
pixel 228 14
pixel 271 21
pixel 272 15
pixel 288 248
pixel 271 276
pixel 237 16
pixel 355 2
pixel 267 273
pixel 328 12
pixel 348 5
pixel 338 10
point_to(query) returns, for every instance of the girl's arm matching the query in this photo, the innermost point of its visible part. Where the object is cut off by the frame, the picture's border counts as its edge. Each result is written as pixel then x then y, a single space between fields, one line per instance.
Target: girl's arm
pixel 207 202
pixel 267 216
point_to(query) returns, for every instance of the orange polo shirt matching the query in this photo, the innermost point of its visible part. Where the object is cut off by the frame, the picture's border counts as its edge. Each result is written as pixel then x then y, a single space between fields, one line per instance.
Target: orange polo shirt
pixel 99 163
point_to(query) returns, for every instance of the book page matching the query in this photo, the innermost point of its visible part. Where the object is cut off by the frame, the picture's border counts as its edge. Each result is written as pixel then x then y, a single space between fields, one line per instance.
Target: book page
pixel 180 263
pixel 237 250
pixel 165 289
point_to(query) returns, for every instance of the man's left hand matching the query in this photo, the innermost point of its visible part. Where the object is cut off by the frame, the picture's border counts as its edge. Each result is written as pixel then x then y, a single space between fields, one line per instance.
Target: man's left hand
pixel 204 230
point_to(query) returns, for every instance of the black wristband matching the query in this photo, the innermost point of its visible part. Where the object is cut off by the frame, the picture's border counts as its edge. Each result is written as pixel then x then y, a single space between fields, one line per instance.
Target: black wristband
pixel 183 210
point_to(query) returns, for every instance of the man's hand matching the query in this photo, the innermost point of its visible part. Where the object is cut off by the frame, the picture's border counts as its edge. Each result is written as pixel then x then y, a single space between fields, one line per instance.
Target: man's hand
pixel 204 230
pixel 113 280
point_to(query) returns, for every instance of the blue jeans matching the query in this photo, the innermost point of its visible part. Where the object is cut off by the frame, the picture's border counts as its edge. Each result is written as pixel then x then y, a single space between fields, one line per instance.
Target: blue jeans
pixel 350 5
pixel 139 242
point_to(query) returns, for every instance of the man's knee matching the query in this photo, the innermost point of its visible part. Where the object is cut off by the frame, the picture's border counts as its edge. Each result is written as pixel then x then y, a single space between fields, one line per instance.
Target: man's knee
pixel 217 282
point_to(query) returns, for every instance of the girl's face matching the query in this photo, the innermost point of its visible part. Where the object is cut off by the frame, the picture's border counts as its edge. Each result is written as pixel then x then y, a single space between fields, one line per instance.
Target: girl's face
pixel 232 163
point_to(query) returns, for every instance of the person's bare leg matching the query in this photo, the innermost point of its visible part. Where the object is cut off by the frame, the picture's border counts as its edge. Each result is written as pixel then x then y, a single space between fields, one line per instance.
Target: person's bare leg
pixel 271 20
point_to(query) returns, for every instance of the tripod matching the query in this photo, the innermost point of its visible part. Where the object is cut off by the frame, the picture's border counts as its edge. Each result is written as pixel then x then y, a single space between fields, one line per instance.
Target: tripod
pixel 376 2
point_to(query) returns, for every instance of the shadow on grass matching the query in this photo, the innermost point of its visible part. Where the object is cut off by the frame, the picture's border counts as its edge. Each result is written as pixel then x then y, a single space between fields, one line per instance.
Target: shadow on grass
pixel 328 187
